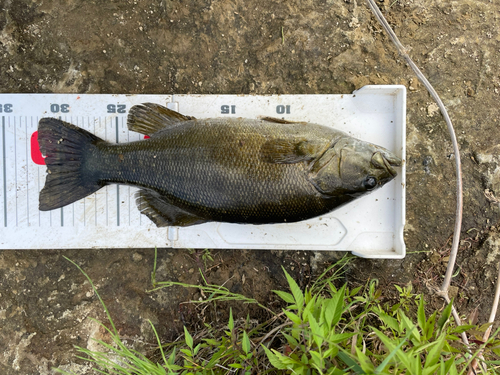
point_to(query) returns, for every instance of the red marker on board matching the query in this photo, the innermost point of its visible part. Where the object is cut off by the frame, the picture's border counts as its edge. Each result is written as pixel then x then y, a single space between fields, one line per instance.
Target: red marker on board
pixel 36 154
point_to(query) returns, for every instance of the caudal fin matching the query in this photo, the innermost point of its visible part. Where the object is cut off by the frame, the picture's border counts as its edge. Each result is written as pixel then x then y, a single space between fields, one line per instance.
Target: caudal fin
pixel 65 147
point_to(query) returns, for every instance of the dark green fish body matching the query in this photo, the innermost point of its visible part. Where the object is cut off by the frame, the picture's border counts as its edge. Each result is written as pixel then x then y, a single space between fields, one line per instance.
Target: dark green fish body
pixel 215 169
pixel 226 169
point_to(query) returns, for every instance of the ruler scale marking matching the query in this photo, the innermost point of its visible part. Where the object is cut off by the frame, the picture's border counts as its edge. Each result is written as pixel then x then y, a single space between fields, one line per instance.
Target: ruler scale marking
pixel 27 174
pixel 129 213
pixel 4 173
pixel 117 186
pixel 33 177
pixel 15 162
pixel 22 173
pixel 38 187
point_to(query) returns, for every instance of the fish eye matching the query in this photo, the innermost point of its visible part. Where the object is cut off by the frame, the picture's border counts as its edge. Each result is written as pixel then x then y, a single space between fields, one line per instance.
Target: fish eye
pixel 370 182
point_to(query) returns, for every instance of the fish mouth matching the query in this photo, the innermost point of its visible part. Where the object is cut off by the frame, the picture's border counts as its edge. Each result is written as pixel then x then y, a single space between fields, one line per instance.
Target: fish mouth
pixel 386 160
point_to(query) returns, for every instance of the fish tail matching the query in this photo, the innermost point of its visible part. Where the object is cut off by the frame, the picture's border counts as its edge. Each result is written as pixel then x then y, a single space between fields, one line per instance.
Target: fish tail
pixel 66 148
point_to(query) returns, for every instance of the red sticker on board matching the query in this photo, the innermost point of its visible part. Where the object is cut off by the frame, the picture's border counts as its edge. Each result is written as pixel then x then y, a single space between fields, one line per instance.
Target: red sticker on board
pixel 36 154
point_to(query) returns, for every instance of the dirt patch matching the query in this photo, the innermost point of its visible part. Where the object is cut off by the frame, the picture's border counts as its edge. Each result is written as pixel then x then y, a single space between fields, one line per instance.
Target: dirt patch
pixel 255 47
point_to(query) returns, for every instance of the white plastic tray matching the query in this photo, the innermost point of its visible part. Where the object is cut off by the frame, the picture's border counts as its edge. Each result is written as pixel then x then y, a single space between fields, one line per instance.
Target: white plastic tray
pixel 371 226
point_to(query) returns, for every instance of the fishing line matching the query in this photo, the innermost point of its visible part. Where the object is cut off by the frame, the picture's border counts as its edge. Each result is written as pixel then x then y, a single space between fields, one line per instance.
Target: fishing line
pixel 443 291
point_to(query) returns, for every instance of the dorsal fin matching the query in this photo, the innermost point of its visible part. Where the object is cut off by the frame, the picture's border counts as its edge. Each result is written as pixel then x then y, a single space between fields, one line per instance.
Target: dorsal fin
pixel 149 118
pixel 279 120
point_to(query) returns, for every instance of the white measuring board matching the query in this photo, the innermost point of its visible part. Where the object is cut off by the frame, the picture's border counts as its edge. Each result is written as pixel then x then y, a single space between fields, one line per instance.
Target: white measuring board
pixel 371 226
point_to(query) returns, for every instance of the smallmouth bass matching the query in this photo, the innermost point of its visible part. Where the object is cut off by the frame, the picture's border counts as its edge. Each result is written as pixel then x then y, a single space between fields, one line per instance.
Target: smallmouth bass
pixel 254 171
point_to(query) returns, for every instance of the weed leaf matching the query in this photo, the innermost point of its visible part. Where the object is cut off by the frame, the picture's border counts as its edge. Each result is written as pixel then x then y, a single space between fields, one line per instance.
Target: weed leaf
pixel 337 305
pixel 287 297
pixel 445 316
pixel 315 331
pixel 435 352
pixel 293 317
pixel 297 293
pixel 230 324
pixel 350 362
pixel 189 338
pixel 421 315
pixel 274 359
pixel 245 343
pixel 394 350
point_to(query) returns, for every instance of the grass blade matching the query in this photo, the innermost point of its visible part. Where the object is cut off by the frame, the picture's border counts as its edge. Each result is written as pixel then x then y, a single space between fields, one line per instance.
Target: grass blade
pixel 96 292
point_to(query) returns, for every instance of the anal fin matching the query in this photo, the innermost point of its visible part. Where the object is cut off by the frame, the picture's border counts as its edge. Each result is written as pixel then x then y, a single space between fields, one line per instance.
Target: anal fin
pixel 161 212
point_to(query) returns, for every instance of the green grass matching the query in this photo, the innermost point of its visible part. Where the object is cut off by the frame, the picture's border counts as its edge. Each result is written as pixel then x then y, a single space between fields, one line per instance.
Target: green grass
pixel 323 329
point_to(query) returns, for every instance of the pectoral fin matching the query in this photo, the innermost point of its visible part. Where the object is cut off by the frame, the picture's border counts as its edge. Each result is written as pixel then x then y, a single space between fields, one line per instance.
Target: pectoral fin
pixel 161 212
pixel 285 151
pixel 149 118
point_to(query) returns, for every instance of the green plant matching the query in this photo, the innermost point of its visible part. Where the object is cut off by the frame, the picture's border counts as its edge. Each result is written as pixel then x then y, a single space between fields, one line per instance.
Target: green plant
pixel 322 330
pixel 347 331
pixel 203 255
pixel 119 359
pixel 229 351
pixel 213 293
pixel 406 297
